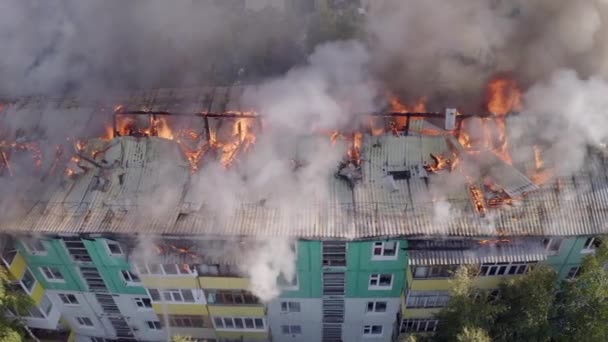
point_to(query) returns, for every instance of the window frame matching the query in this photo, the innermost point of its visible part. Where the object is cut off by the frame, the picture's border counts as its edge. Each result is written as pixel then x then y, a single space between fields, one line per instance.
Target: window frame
pixel 573 275
pixel 80 319
pixel 288 329
pixel 28 271
pixel 133 280
pixel 163 293
pixel 63 296
pixel 51 269
pixel 109 242
pixel 381 246
pixel 589 245
pixel 427 299
pixel 378 277
pixel 427 325
pixel 550 245
pixel 285 285
pixel 494 269
pixel 368 330
pixel 288 306
pixel 140 302
pixel 150 270
pixel 374 306
pixel 30 246
pixel 243 319
pixel 154 325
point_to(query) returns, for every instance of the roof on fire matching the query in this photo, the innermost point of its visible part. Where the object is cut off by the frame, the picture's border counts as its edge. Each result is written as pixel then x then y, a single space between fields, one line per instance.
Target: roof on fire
pixel 394 198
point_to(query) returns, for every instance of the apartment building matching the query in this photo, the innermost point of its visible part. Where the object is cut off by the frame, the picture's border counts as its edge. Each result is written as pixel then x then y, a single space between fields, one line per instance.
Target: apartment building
pixel 373 257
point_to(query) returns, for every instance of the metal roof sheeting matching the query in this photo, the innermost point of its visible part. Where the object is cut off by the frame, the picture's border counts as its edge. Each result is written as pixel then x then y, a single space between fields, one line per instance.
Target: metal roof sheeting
pixel 511 252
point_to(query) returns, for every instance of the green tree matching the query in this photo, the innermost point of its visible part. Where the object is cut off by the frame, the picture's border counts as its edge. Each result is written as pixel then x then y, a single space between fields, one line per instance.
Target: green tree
pixel 467 308
pixel 528 305
pixel 12 329
pixel 583 310
pixel 473 335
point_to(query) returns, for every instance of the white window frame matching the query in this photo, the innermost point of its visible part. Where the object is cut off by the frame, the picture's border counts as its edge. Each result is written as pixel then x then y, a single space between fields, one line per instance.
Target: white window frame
pixel 381 246
pixel 576 273
pixel 112 242
pixel 29 245
pixel 154 325
pixel 427 299
pixel 368 330
pixel 145 270
pixel 504 267
pixel 376 277
pixel 173 294
pixel 374 304
pixel 141 304
pixel 29 291
pixel 51 269
pixel 291 329
pixel 589 248
pixel 550 243
pixel 64 298
pixel 290 306
pixel 80 319
pixel 131 281
pixel 224 319
pixel 418 325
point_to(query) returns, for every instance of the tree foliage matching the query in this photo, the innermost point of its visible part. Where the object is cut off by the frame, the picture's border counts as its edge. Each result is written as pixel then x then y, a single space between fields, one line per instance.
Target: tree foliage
pixel 533 307
pixel 12 329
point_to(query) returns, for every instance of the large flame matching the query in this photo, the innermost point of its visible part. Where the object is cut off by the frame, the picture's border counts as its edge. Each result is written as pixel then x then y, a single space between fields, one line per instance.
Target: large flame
pixel 503 96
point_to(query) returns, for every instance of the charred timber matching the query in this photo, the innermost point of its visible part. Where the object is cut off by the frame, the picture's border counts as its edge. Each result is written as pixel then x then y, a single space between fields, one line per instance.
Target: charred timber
pixel 202 115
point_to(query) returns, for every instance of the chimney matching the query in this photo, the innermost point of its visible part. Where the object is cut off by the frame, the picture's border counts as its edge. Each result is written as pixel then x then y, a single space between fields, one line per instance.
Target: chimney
pixel 450 119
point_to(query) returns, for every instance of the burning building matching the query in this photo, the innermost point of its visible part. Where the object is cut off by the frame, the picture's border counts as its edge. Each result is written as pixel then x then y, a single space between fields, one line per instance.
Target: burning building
pixel 126 237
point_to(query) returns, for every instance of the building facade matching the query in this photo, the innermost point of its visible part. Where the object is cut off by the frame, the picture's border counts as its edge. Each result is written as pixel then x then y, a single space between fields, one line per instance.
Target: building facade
pixel 376 290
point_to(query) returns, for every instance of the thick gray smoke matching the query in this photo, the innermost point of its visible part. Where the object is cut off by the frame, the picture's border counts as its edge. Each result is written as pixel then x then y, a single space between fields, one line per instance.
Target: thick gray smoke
pixel 446 51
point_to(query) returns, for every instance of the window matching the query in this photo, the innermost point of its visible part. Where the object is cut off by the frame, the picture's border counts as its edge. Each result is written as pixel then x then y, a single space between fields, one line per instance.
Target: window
pixel 143 303
pixel 415 325
pixel 380 281
pixel 84 321
pixel 217 270
pixel 28 281
pixel 99 339
pixel 591 244
pixel 8 255
pixel 129 277
pixel 231 297
pixel 52 274
pixel 68 299
pixel 574 272
pixel 46 305
pixel 372 330
pixel 386 250
pixel 290 306
pixel 154 325
pixel 114 248
pixel 427 299
pixel 291 329
pixel 239 323
pixel 172 295
pixel 376 306
pixel 34 312
pixel 165 269
pixel 504 268
pixel 186 321
pixel 288 284
pixel 435 271
pixel 552 245
pixel 34 246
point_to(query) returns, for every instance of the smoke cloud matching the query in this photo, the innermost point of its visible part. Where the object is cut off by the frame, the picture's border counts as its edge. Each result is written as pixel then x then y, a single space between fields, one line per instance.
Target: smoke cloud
pixel 440 50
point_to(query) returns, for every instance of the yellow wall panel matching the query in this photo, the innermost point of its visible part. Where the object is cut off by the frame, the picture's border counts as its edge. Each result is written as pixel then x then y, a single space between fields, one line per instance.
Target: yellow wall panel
pixel 245 335
pixel 442 284
pixel 37 293
pixel 236 310
pixel 228 283
pixel 169 282
pixel 180 309
pixel 18 266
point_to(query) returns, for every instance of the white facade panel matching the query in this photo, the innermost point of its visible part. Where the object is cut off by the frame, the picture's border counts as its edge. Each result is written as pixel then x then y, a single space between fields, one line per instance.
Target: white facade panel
pixel 309 319
pixel 356 317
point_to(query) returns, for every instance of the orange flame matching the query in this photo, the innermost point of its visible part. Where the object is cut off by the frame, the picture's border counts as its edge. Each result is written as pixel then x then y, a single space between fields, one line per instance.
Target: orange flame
pixel 503 96
pixel 441 163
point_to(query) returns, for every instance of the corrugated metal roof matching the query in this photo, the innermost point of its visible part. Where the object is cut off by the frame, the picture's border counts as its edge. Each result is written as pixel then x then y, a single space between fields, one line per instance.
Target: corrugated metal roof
pixel 375 206
pixel 507 252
